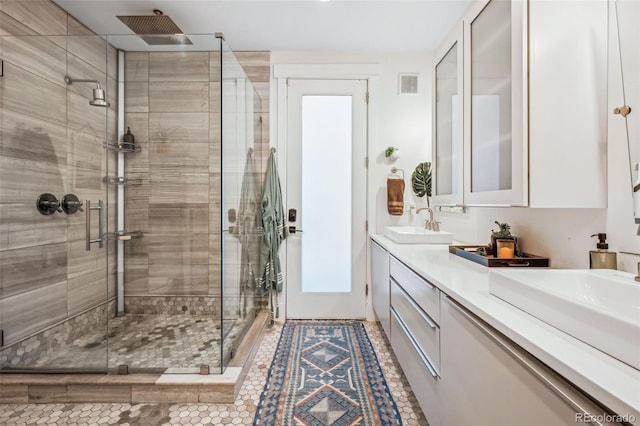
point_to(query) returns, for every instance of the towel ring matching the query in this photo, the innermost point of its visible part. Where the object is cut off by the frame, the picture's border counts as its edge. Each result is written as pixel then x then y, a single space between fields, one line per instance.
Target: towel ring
pixel 395 170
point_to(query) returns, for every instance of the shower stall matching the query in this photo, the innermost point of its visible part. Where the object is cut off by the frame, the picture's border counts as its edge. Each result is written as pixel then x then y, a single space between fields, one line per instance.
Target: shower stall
pixel 130 182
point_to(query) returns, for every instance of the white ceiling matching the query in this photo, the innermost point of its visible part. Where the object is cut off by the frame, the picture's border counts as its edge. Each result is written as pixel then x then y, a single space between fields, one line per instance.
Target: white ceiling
pixel 337 25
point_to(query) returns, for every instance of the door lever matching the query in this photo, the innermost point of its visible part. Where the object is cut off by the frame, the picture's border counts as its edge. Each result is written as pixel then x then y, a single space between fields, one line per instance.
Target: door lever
pixel 293 230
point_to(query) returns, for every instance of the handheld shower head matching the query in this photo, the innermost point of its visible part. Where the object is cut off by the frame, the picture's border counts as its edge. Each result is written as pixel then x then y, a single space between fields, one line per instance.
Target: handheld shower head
pixel 99 98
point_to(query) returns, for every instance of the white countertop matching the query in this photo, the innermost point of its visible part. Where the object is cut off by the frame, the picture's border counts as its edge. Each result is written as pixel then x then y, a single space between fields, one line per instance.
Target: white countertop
pixel 613 383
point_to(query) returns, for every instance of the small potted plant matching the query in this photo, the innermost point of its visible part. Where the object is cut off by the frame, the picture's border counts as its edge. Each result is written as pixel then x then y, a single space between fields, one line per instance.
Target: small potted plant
pixel 391 153
pixel 506 240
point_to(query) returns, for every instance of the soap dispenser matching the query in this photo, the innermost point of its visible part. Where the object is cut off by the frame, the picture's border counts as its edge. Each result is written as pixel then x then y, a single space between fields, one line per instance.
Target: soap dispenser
pixel 601 258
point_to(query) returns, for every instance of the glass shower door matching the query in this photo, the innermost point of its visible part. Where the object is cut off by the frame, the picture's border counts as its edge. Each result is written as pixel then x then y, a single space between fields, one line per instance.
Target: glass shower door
pixel 54 127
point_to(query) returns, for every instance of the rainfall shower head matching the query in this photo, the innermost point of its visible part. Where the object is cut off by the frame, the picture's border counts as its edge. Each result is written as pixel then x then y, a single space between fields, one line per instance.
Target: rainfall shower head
pixel 99 98
pixel 157 29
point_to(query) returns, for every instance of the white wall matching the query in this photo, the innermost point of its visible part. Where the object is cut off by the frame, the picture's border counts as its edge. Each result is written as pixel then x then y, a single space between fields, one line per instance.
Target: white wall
pixel 621 229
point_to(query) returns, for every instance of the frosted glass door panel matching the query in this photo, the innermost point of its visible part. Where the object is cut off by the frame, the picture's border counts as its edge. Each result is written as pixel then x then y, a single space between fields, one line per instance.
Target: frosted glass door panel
pixel 326 203
pixel 491 78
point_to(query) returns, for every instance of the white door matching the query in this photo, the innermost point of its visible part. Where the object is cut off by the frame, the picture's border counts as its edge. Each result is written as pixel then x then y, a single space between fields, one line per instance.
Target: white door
pixel 326 185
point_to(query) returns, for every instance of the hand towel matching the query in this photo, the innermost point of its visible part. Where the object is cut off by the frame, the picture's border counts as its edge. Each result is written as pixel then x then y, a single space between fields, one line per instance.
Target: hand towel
pixel 395 196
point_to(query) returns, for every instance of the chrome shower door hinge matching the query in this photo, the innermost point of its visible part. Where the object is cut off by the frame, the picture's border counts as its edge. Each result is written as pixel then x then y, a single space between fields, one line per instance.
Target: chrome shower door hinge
pixel 1 68
pixel 1 338
pixel 366 290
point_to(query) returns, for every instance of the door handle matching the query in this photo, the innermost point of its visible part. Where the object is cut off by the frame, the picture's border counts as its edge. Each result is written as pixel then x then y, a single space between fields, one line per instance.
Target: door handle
pixel 293 230
pixel 88 210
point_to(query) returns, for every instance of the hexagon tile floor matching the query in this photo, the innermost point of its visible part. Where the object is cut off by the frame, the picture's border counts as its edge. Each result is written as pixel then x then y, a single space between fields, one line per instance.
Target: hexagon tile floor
pixel 241 412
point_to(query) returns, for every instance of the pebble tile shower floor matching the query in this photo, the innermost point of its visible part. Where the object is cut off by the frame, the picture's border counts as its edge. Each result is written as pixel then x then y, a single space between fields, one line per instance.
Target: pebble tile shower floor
pixel 241 412
pixel 148 341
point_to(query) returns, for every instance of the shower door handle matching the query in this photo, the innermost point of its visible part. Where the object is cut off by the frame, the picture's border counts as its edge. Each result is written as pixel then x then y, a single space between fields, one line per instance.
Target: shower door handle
pixel 88 210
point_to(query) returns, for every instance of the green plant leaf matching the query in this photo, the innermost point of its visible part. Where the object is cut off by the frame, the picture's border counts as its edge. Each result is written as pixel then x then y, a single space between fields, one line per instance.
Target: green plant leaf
pixel 421 180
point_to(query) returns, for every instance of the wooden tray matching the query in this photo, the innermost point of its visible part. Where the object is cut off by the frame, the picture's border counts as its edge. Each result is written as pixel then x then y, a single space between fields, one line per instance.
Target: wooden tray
pixel 527 260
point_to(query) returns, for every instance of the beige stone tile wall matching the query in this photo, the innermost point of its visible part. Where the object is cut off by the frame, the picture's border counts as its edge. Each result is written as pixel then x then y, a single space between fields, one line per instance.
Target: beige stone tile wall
pixel 51 141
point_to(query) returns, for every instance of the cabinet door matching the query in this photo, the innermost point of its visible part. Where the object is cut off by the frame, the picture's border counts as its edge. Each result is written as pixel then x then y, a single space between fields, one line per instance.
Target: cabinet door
pixel 447 118
pixel 380 285
pixel 495 131
pixel 489 381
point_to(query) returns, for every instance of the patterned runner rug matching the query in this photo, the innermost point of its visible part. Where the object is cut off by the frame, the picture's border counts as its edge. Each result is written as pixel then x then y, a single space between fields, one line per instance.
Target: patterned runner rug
pixel 325 373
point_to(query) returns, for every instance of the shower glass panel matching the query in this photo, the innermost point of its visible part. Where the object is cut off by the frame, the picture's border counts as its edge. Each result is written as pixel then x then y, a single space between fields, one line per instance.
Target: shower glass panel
pixel 171 318
pixel 243 159
pixel 55 295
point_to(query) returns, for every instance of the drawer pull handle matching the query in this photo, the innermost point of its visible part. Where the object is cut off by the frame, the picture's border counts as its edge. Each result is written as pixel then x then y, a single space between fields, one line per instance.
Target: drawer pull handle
pixel 422 356
pixel 427 283
pixel 415 306
pixel 541 376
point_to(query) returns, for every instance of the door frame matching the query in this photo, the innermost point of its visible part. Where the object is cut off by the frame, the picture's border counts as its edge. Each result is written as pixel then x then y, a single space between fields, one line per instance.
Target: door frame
pixel 284 72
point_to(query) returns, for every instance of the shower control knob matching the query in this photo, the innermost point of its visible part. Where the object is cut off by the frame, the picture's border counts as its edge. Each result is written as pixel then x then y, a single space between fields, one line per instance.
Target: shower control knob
pixel 47 204
pixel 71 204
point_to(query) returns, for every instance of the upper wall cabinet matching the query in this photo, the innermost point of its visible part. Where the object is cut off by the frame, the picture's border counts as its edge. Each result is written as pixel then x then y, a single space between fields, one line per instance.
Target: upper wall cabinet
pixel 534 105
pixel 447 119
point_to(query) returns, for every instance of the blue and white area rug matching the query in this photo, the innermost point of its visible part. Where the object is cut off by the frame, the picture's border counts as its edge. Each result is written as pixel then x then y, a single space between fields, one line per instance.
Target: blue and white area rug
pixel 325 373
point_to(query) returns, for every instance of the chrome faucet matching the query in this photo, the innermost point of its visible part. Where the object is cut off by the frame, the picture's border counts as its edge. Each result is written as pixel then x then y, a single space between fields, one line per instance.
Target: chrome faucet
pixel 430 224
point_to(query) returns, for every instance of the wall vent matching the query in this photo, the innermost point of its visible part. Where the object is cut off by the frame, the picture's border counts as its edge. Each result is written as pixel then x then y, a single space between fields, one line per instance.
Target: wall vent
pixel 408 84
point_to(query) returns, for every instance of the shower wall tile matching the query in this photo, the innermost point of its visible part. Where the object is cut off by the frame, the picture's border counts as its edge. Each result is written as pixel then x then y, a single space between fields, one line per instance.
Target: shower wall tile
pixel 42 16
pixel 263 89
pixel 26 269
pixel 136 97
pixel 136 269
pixel 29 312
pixel 178 219
pixel 22 92
pixel 215 146
pixel 179 66
pixel 11 26
pixel 215 101
pixel 179 127
pixel 136 67
pixel 177 249
pixel 77 28
pixel 41 56
pixel 179 278
pixel 28 138
pixel 87 290
pixel 256 65
pixel 90 48
pixel 176 185
pixel 22 226
pixel 214 66
pixel 25 187
pixel 179 97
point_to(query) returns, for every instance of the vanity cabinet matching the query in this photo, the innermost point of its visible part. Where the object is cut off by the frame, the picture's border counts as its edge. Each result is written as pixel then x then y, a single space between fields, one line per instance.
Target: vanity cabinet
pixel 533 106
pixel 415 334
pixel 488 380
pixel 380 286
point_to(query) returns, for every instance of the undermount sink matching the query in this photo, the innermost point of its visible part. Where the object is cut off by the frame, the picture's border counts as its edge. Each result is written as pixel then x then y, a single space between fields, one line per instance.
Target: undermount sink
pixel 600 307
pixel 417 235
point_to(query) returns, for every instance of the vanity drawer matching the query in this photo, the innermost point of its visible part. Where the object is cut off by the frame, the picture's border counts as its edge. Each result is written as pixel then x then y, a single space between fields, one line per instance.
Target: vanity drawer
pixel 421 375
pixel 426 295
pixel 424 330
